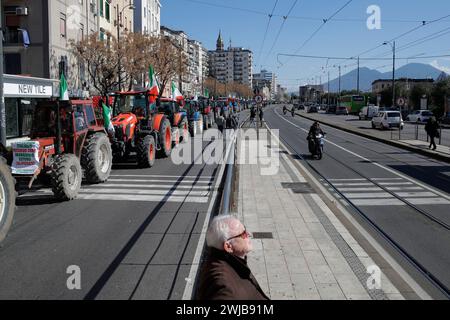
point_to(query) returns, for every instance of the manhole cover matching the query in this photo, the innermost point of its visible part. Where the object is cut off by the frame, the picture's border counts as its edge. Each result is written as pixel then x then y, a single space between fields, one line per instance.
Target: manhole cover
pixel 298 187
pixel 262 235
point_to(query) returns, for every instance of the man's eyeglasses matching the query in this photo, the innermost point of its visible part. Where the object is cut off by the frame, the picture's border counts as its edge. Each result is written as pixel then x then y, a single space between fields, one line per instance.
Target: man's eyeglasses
pixel 244 235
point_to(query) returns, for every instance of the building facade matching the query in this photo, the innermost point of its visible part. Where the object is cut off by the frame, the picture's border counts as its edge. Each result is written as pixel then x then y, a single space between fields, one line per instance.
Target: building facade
pixel 234 64
pixel 404 84
pixel 266 78
pixel 310 93
pixel 147 17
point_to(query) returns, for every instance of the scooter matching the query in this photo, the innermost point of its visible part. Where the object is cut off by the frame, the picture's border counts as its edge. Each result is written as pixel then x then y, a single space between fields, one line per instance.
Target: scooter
pixel 315 146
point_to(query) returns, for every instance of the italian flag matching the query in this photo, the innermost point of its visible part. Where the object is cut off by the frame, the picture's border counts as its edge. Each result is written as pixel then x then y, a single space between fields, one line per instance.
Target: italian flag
pixel 63 93
pixel 107 118
pixel 176 94
pixel 153 84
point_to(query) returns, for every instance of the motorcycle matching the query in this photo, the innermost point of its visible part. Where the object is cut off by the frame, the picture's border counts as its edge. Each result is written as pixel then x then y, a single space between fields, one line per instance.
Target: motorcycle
pixel 284 110
pixel 315 145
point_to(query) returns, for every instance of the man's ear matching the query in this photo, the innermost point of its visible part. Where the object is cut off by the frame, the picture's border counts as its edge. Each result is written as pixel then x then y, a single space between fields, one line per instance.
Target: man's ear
pixel 228 247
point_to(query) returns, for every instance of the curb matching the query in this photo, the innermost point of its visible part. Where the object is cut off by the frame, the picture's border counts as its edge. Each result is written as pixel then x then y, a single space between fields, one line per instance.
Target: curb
pixel 436 156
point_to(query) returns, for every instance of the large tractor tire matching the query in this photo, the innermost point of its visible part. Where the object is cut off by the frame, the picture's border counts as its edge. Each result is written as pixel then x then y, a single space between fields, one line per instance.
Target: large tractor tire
pixel 165 136
pixel 146 151
pixel 96 158
pixel 7 199
pixel 66 177
pixel 184 127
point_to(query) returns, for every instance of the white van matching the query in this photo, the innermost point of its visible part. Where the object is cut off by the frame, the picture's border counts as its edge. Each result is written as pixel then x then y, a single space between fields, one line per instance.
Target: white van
pixel 368 112
pixel 387 120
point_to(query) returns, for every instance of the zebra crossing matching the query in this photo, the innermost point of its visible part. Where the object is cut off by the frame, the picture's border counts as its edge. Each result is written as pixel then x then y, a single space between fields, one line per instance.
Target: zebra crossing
pixel 363 192
pixel 147 188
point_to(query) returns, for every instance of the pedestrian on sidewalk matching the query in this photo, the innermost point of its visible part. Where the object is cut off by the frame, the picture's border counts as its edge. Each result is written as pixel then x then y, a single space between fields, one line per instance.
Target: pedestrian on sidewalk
pixel 225 274
pixel 261 116
pixel 252 115
pixel 220 122
pixel 432 129
pixel 229 123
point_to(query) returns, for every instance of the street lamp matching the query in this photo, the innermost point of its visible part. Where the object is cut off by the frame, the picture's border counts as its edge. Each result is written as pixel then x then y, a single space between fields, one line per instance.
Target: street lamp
pixel 119 14
pixel 393 70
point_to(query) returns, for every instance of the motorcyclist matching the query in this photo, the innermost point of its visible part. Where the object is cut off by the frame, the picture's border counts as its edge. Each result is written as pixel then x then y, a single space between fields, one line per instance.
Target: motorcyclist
pixel 314 131
pixel 284 109
pixel 293 111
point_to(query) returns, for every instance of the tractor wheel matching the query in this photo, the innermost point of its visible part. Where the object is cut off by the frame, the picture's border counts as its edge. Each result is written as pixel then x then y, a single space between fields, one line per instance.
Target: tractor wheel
pixel 96 158
pixel 184 127
pixel 146 151
pixel 66 177
pixel 165 133
pixel 7 199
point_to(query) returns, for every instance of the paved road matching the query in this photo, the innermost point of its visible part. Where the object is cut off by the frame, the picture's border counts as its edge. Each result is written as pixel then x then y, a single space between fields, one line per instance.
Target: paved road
pixel 387 184
pixel 133 237
pixel 411 131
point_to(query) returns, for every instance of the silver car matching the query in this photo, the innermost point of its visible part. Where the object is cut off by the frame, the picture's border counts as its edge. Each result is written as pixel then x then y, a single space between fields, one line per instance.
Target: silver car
pixel 387 120
pixel 419 116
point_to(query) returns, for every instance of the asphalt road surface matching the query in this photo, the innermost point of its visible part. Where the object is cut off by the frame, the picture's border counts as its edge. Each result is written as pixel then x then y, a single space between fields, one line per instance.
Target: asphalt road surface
pixel 406 195
pixel 133 237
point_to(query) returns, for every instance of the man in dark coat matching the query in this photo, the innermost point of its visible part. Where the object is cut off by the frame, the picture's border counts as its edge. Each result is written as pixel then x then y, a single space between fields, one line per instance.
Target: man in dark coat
pixel 432 129
pixel 225 274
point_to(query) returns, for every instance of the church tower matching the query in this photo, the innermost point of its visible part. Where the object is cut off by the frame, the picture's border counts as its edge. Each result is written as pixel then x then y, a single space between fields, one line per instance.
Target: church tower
pixel 219 45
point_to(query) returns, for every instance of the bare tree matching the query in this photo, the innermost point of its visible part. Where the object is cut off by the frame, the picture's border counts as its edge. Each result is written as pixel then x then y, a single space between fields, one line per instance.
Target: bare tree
pixel 168 61
pixel 102 60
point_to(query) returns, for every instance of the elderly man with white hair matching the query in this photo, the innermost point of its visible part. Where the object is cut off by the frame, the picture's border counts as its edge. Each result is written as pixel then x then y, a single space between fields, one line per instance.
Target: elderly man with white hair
pixel 225 274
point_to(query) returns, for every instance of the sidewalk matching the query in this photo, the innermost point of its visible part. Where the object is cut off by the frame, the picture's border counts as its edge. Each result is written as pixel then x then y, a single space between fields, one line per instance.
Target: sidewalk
pixel 308 253
pixel 419 146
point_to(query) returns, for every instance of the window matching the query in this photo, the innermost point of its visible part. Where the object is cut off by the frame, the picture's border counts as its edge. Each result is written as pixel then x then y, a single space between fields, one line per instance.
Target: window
pixel 107 15
pixel 13 63
pixel 101 8
pixel 62 25
pixel 102 34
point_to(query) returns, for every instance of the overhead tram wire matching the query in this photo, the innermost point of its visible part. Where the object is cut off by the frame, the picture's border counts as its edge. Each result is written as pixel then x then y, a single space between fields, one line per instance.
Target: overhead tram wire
pixel 281 28
pixel 318 29
pixel 228 7
pixel 423 24
pixel 265 33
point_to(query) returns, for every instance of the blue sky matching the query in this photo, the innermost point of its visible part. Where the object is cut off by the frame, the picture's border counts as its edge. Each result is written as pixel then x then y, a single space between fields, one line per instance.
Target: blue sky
pixel 345 35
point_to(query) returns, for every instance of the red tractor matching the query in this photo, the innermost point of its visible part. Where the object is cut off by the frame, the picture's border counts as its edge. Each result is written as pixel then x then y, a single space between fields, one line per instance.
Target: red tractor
pixel 65 138
pixel 139 128
pixel 174 112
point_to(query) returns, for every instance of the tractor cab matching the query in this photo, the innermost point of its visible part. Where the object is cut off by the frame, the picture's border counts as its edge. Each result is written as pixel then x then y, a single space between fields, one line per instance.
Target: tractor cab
pixel 76 119
pixel 171 109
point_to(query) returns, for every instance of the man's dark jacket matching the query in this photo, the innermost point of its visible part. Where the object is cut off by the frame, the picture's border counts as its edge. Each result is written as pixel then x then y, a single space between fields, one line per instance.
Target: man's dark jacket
pixel 227 277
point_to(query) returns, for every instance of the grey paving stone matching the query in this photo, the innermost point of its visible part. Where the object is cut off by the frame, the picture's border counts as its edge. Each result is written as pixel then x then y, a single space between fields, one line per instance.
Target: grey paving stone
pixel 314 258
pixel 322 274
pixel 330 291
pixel 281 291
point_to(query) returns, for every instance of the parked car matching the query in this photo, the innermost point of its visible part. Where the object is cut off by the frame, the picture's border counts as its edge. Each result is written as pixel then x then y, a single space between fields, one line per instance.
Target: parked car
pixel 312 109
pixel 342 110
pixel 331 108
pixel 368 112
pixel 387 120
pixel 445 119
pixel 419 116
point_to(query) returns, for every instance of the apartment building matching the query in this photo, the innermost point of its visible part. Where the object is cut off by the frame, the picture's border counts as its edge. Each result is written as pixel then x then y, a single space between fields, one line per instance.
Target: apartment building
pixel 147 17
pixel 233 64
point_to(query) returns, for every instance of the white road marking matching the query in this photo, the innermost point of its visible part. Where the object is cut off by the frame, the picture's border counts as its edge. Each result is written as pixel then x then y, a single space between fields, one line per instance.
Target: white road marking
pixel 155 186
pixel 145 198
pixel 378 202
pixel 368 195
pixel 418 201
pixel 160 176
pixel 156 180
pixel 149 191
pixel 360 189
pixel 415 194
pixel 356 184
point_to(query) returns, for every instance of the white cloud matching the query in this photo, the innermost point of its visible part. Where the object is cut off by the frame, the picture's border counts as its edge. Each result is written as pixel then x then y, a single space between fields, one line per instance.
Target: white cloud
pixel 435 63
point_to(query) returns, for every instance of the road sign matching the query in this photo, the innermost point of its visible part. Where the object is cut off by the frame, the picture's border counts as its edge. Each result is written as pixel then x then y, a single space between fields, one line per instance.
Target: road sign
pixel 258 99
pixel 401 102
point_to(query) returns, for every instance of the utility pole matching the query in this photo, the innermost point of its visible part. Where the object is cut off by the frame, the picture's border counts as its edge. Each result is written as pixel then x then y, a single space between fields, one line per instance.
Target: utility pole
pixel 339 85
pixel 393 76
pixel 328 98
pixel 2 99
pixel 357 85
pixel 119 68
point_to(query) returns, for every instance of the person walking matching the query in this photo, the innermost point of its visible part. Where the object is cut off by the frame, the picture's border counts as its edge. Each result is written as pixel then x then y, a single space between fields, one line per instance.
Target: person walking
pixel 220 122
pixel 252 115
pixel 261 116
pixel 432 129
pixel 225 274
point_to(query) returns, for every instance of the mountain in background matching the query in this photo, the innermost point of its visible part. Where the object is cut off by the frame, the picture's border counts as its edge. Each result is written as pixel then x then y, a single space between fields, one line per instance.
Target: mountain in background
pixel 367 76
